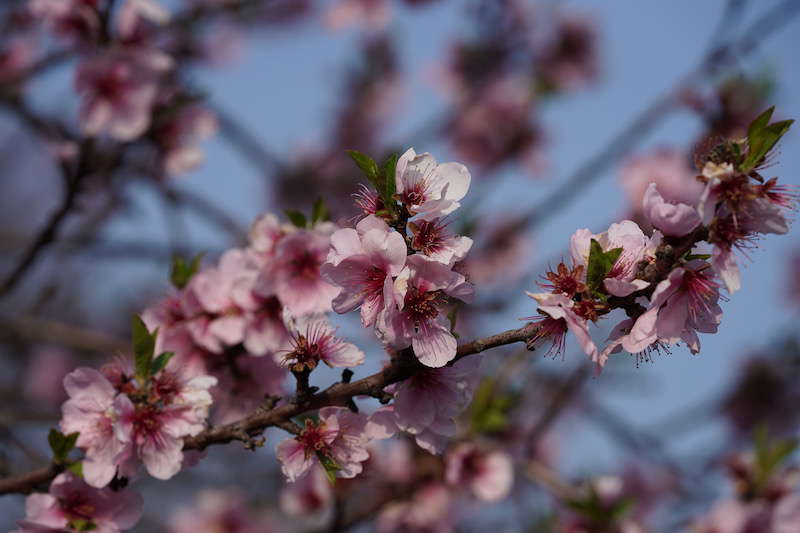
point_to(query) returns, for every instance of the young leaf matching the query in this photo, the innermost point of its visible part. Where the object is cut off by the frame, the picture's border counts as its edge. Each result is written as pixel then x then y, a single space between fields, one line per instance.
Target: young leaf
pixel 76 468
pixel 366 164
pixel 600 264
pixel 160 362
pixel 144 345
pixel 390 183
pixel 759 123
pixel 297 218
pixel 81 524
pixel 61 444
pixel 319 213
pixel 762 137
pixel 330 466
pixel 182 272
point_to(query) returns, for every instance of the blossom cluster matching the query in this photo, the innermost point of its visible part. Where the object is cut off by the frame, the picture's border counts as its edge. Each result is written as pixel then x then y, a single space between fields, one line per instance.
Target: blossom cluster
pixel 125 77
pixel 665 282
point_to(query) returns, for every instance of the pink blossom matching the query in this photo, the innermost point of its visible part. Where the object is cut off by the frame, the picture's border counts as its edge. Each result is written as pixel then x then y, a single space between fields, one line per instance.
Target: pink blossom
pixel 310 495
pixel 414 310
pixel 339 436
pixel 44 374
pixel 15 57
pixel 427 403
pixel 434 239
pixel 117 97
pixel 177 408
pixel 429 510
pixel 673 219
pixel 296 275
pixel 265 234
pixel 373 14
pixel 488 475
pixel 216 510
pixel 76 20
pixel 430 189
pixel 72 505
pixel 362 262
pixel 93 412
pixel 314 340
pixel 180 136
pixel 560 307
pixel 669 170
pixel 239 393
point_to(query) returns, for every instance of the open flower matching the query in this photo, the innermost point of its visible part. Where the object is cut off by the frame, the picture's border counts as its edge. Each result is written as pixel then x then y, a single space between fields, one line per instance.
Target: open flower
pixel 362 262
pixel 488 474
pixel 338 438
pixel 72 505
pixel 673 219
pixel 574 316
pixel 430 189
pixel 414 310
pixel 314 340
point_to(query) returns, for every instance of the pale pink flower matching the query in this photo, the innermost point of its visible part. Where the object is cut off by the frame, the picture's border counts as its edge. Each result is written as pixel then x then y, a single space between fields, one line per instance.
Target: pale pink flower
pixel 72 505
pixel 430 189
pixel 265 234
pixel 240 392
pixel 216 511
pixel 430 510
pixel 786 514
pixel 362 262
pixel 296 275
pixel 93 412
pixel 313 339
pixel 672 219
pixel 311 495
pixel 414 310
pixel 560 307
pixel 726 516
pixel 434 239
pixel 427 404
pixel 133 10
pixel 118 97
pixel 392 458
pixel 669 170
pixel 339 436
pixel 180 137
pixel 178 408
pixel 489 475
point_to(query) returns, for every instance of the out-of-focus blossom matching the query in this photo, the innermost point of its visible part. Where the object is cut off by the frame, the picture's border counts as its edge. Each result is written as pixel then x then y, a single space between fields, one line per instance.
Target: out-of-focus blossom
pixel 426 404
pixel 72 505
pixel 668 169
pixel 44 375
pixel 16 56
pixel 180 135
pixel 373 14
pixel 310 496
pixel 430 510
pixel 568 60
pixel 216 511
pixel 489 475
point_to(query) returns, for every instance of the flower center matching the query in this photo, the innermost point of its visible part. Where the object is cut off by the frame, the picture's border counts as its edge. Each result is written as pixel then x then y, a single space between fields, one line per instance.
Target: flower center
pixel 422 306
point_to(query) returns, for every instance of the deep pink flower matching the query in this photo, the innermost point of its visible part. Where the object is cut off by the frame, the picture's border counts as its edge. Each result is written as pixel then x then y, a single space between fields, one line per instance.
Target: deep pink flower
pixel 414 310
pixel 93 412
pixel 339 436
pixel 428 188
pixel 427 403
pixel 362 262
pixel 489 475
pixel 72 505
pixel 673 219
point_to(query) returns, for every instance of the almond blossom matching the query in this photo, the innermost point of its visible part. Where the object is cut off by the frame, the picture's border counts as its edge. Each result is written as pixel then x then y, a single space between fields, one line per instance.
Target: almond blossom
pixel 314 340
pixel 414 310
pixel 72 505
pixel 338 439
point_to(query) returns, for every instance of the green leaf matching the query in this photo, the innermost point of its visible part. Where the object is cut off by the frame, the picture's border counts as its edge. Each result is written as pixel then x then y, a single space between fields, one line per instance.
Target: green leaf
pixel 366 164
pixel 330 466
pixel 319 213
pixel 182 272
pixel 390 183
pixel 144 345
pixel 297 218
pixel 691 257
pixel 600 264
pixel 160 362
pixel 762 137
pixel 61 444
pixel 76 468
pixel 81 524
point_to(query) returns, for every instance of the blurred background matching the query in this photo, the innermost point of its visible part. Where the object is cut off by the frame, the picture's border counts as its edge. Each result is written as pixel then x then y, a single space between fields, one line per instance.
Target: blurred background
pixel 562 110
